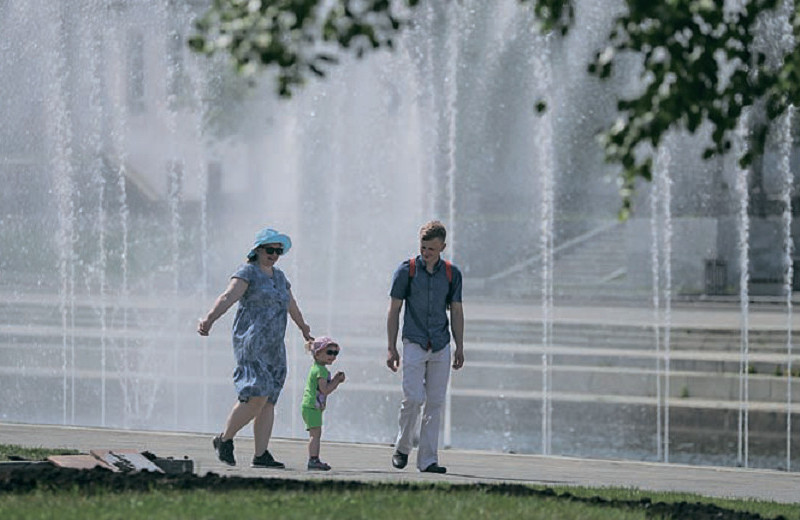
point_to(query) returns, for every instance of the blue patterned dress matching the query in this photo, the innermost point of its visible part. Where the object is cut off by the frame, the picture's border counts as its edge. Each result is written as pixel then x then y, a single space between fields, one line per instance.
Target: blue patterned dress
pixel 258 333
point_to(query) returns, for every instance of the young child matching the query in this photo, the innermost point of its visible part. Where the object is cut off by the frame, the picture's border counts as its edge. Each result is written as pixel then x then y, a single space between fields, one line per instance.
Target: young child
pixel 318 386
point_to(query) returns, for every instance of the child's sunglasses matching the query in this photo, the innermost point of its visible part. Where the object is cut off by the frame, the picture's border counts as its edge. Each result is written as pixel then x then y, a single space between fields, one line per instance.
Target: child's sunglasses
pixel 273 250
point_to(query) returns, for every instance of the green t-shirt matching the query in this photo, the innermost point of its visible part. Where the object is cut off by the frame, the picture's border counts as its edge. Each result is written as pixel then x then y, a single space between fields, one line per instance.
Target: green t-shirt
pixel 312 397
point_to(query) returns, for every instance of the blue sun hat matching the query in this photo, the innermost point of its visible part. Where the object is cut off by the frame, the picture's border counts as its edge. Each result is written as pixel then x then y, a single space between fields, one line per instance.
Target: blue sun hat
pixel 269 236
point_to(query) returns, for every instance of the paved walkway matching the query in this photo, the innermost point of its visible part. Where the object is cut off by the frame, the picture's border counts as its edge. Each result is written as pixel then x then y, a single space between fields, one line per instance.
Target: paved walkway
pixel 370 462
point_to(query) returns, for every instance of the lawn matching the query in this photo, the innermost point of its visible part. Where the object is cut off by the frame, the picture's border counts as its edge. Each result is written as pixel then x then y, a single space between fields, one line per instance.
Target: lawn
pixel 67 494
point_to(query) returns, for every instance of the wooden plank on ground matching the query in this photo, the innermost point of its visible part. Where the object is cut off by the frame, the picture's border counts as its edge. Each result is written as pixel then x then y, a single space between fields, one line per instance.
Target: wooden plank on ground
pixel 79 462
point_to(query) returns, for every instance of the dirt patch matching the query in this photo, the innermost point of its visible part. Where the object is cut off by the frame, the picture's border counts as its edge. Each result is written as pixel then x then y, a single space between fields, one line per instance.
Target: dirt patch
pixel 50 478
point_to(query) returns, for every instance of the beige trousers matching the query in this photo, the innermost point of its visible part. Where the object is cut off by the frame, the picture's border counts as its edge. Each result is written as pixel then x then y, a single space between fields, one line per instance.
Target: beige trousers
pixel 425 375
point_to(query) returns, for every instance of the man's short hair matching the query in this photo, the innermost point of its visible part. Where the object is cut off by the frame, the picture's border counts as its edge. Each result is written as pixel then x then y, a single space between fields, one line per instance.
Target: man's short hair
pixel 431 230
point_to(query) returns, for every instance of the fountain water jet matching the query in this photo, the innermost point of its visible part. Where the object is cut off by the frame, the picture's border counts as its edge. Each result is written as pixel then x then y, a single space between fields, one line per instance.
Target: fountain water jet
pixel 96 145
pixel 544 146
pixel 661 257
pixel 744 300
pixel 451 115
pixel 784 166
pixel 382 145
pixel 60 137
pixel 665 186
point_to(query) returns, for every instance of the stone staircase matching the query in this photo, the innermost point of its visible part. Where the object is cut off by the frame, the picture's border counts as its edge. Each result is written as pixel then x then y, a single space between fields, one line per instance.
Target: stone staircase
pixel 590 266
pixel 604 378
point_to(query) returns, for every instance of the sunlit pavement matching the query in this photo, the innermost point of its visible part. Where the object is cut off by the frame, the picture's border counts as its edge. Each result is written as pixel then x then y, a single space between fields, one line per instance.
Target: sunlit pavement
pixel 371 462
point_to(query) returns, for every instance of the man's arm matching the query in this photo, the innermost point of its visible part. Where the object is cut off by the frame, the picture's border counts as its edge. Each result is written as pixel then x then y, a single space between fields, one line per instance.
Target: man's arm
pixel 457 328
pixel 392 327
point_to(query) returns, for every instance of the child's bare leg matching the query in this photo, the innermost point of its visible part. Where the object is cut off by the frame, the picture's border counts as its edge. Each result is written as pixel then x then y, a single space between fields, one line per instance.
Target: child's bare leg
pixel 314 436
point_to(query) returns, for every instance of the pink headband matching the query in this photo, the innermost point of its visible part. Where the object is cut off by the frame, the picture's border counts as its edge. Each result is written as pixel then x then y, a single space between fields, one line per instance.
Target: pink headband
pixel 321 343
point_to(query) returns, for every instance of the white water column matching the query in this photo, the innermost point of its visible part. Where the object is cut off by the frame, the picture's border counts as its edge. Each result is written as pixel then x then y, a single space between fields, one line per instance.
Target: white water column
pixel 94 46
pixel 116 34
pixel 661 257
pixel 544 148
pixel 655 272
pixel 742 176
pixel 451 113
pixel 200 92
pixel 338 98
pixel 176 168
pixel 60 158
pixel 660 261
pixel 787 176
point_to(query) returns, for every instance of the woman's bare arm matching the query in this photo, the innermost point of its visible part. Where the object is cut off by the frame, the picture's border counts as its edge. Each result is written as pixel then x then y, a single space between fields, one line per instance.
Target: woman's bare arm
pixel 231 295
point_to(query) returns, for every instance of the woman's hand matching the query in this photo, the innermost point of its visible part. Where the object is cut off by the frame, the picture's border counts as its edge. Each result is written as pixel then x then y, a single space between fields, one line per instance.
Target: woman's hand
pixel 233 292
pixel 305 329
pixel 339 377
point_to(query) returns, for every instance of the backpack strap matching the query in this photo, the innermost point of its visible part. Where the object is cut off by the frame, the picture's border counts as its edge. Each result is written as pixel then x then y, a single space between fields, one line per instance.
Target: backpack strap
pixel 412 270
pixel 448 269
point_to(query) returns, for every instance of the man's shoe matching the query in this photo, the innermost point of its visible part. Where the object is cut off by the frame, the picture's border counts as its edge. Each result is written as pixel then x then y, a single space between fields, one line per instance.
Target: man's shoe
pixel 266 460
pixel 399 460
pixel 317 465
pixel 435 468
pixel 224 450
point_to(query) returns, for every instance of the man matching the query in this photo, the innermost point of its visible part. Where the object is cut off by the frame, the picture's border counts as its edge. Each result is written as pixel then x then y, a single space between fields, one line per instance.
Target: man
pixel 428 285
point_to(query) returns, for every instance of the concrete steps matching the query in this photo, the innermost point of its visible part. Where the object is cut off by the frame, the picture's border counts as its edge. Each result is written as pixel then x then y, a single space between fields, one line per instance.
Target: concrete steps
pixel 580 268
pixel 604 374
pixel 591 359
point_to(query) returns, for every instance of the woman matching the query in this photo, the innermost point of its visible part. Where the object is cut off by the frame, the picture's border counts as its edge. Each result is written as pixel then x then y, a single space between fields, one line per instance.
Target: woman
pixel 264 295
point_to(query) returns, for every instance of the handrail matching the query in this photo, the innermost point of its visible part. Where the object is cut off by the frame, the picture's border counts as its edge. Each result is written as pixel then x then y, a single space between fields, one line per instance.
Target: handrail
pixel 556 250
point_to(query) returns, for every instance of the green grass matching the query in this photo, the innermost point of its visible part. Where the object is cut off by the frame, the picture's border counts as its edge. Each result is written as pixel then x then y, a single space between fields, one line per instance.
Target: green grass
pixel 320 499
pixel 368 502
pixel 12 451
pixel 301 505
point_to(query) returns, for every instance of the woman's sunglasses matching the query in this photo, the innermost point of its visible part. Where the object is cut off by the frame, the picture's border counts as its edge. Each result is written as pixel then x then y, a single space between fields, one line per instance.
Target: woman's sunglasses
pixel 332 352
pixel 273 250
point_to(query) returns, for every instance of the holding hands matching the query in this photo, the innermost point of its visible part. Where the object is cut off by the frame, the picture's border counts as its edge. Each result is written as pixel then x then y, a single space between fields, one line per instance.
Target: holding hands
pixel 305 329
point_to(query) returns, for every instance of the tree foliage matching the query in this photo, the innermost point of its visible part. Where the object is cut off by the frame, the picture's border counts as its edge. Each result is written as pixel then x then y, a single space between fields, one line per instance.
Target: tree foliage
pixel 703 61
pixel 296 37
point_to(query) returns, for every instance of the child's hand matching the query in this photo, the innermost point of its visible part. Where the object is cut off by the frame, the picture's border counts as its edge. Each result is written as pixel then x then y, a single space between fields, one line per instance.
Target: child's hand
pixel 339 376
